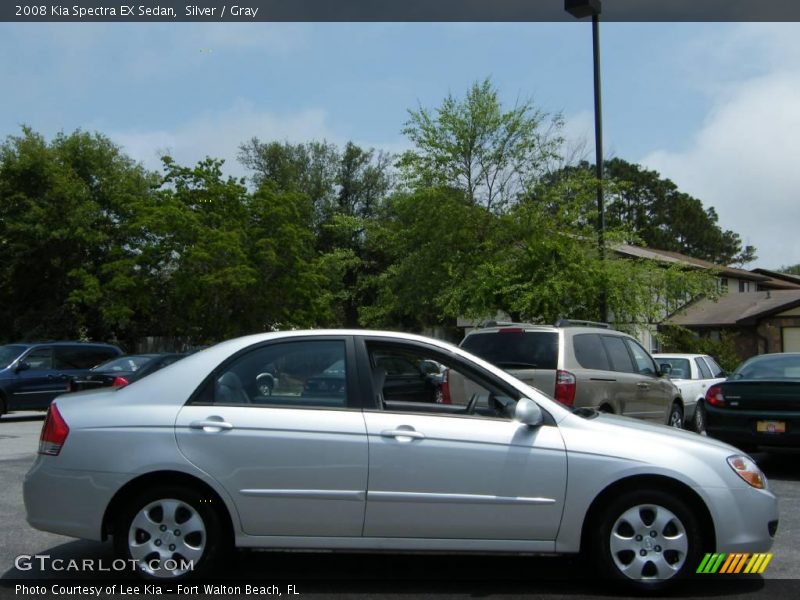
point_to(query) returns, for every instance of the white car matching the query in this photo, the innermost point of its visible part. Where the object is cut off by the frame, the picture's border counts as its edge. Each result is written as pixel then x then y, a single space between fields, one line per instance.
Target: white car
pixel 693 374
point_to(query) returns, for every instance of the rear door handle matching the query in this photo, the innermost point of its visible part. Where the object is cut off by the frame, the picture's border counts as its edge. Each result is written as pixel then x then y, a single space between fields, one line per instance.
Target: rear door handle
pixel 643 385
pixel 211 425
pixel 403 435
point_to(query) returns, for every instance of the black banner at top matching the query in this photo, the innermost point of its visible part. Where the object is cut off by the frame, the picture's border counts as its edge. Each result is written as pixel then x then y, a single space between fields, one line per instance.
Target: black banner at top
pixel 391 10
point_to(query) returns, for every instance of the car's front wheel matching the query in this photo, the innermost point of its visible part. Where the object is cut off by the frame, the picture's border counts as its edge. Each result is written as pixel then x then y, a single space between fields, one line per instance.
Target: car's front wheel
pixel 171 532
pixel 647 539
pixel 675 418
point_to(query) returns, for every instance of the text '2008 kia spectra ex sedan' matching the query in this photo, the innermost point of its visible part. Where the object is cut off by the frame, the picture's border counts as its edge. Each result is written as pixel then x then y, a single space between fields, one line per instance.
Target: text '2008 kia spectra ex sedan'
pixel 197 457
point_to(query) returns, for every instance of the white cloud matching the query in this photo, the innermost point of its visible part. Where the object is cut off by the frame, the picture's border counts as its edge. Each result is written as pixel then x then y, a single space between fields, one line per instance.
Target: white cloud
pixel 219 135
pixel 744 159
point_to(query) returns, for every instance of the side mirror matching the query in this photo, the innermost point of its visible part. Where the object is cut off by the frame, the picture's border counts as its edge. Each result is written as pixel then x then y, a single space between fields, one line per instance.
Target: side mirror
pixel 428 367
pixel 665 369
pixel 528 412
pixel 22 366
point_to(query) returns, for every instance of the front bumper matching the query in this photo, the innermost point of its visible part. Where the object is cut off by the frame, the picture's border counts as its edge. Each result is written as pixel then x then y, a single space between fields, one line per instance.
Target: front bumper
pixel 745 519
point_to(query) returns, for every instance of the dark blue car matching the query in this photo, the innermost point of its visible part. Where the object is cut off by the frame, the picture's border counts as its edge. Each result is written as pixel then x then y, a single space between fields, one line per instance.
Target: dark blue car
pixel 32 374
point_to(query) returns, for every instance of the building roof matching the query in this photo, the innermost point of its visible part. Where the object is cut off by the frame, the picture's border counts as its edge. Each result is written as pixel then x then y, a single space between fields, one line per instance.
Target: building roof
pixel 735 309
pixel 792 281
pixel 668 256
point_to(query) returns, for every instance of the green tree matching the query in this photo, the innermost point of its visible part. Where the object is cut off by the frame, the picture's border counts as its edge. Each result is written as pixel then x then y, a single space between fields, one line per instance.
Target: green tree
pixel 66 205
pixel 472 144
pixel 790 269
pixel 654 210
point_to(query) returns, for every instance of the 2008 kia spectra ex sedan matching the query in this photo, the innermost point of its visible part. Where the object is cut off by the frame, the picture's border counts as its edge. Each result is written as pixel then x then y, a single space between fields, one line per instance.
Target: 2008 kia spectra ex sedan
pixel 197 457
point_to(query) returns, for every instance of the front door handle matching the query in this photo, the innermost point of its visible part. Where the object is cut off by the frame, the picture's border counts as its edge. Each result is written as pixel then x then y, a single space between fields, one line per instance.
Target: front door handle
pixel 211 425
pixel 403 435
pixel 643 385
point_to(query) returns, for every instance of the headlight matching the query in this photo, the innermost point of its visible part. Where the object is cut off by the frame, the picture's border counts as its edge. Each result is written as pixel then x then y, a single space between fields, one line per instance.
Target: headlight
pixel 748 470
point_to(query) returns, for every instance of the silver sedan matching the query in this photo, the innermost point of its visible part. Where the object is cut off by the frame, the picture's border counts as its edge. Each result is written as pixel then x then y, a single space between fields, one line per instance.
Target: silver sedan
pixel 354 446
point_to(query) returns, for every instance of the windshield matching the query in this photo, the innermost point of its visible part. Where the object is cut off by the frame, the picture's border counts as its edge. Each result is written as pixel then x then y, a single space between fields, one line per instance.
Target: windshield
pixel 515 349
pixel 8 354
pixel 680 367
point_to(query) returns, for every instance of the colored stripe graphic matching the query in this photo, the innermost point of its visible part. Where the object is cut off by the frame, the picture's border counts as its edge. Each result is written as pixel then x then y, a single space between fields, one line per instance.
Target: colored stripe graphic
pixel 734 563
pixel 729 562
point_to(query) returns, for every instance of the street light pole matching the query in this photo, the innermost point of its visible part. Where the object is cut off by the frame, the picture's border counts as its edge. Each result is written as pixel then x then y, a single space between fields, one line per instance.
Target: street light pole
pixel 580 9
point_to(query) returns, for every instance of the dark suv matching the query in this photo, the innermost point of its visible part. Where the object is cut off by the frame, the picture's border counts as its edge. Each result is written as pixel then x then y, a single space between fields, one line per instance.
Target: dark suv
pixel 582 364
pixel 32 374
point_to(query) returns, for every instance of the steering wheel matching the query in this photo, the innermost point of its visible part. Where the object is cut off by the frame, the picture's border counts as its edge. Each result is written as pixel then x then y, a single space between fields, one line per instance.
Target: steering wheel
pixel 472 404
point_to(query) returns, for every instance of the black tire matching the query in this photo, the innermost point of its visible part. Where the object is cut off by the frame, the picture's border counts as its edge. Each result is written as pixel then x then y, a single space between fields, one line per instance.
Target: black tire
pixel 699 421
pixel 204 540
pixel 675 418
pixel 659 524
pixel 2 406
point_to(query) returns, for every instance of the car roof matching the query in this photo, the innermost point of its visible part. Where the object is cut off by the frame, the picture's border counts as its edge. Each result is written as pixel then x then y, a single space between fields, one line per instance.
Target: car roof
pixel 677 355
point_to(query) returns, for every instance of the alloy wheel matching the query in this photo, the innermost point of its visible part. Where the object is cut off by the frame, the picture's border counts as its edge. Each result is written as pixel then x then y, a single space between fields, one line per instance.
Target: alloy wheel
pixel 649 542
pixel 166 537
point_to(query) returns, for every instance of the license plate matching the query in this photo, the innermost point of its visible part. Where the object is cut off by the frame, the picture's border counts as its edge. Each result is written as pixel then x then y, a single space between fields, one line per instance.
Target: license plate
pixel 771 427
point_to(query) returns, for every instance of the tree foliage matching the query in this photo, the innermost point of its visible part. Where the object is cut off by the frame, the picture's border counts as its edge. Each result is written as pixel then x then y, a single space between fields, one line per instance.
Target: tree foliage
pixel 92 245
pixel 660 215
pixel 492 155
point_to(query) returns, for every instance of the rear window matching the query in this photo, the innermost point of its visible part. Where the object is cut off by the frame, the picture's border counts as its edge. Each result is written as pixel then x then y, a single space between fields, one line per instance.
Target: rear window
pixel 770 367
pixel 125 363
pixel 515 349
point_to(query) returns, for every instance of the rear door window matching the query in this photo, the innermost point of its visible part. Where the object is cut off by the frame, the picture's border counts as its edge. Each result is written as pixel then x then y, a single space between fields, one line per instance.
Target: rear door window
pixel 705 372
pixel 590 352
pixel 618 354
pixel 515 349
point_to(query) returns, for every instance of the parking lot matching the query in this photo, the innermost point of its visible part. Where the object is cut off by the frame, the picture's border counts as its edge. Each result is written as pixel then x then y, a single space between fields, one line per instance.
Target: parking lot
pixel 382 574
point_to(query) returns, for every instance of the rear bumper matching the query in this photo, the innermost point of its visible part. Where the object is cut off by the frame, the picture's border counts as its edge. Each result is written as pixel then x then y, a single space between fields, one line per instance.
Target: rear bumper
pixel 740 428
pixel 68 502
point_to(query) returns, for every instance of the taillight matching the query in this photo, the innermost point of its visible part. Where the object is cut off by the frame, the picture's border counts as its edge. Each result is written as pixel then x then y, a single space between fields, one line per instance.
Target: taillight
pixel 445 388
pixel 54 432
pixel 566 384
pixel 119 382
pixel 714 396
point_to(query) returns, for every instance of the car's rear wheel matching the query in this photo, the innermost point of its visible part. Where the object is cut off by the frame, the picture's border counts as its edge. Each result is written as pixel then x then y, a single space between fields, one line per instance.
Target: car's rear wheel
pixel 675 416
pixel 699 423
pixel 172 532
pixel 647 539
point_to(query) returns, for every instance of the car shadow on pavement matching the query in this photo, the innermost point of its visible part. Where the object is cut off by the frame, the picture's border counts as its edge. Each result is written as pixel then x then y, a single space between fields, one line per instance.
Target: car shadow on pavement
pixel 779 463
pixel 22 417
pixel 377 575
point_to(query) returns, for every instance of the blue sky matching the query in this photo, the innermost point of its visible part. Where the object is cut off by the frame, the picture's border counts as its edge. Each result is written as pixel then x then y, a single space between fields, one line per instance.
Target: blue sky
pixel 716 107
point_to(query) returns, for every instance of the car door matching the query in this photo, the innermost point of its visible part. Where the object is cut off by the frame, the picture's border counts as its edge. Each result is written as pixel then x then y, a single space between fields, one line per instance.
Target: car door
pixel 437 471
pixel 655 392
pixel 294 463
pixel 36 383
pixel 628 384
